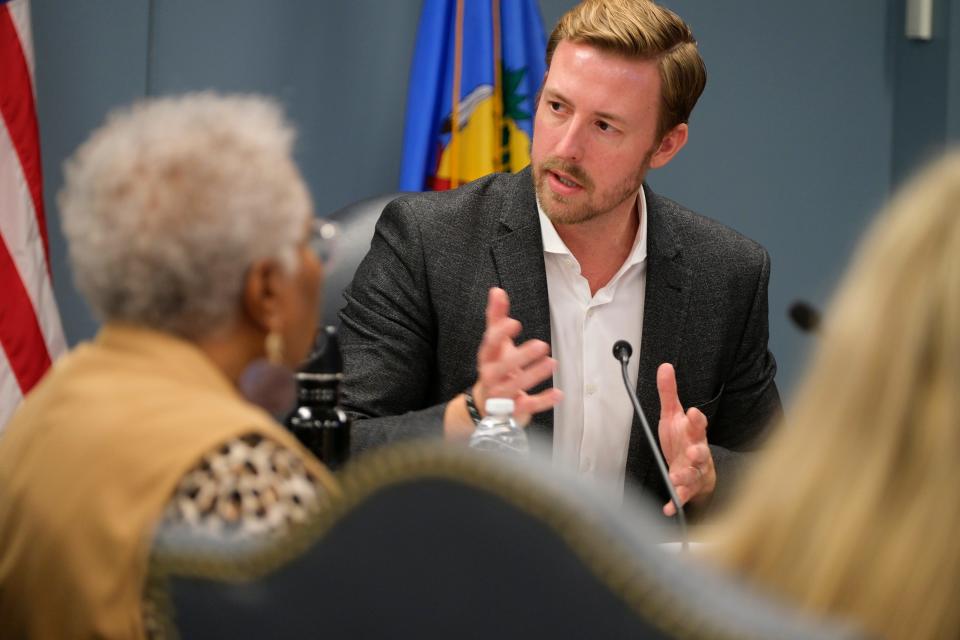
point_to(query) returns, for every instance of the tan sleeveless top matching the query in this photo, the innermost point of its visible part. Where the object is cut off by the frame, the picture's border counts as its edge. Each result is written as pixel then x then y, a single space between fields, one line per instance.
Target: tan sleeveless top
pixel 86 467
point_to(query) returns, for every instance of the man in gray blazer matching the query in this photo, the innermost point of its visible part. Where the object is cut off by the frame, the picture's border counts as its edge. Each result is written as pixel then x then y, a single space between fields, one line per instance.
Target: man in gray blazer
pixel 464 293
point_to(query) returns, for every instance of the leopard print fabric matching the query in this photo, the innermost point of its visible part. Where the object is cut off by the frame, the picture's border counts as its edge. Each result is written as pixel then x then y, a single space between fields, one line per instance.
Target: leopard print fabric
pixel 250 486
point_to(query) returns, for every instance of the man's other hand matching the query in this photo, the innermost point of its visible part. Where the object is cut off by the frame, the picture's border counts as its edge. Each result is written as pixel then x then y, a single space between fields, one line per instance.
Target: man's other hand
pixel 683 438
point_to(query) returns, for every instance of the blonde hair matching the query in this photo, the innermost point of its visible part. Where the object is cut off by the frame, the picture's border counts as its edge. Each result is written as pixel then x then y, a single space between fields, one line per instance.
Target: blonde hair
pixel 167 205
pixel 853 508
pixel 644 30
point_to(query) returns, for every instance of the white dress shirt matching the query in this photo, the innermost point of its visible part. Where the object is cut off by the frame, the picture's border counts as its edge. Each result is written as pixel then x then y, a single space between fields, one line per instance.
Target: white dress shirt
pixel 591 426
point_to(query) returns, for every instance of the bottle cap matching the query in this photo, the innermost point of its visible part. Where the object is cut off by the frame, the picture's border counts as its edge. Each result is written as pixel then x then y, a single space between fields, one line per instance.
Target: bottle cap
pixel 499 406
pixel 325 360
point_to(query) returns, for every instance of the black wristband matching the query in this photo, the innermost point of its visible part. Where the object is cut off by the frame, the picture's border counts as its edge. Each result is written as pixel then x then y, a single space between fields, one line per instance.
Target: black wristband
pixel 472 407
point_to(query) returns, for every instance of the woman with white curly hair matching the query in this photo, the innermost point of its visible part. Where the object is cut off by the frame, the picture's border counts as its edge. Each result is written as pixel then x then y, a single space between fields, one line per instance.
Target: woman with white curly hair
pixel 191 236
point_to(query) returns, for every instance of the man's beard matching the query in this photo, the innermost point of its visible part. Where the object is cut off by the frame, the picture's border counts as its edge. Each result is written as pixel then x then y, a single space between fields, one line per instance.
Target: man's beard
pixel 562 210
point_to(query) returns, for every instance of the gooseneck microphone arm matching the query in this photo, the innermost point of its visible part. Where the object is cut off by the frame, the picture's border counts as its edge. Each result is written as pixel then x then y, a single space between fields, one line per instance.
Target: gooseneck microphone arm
pixel 622 352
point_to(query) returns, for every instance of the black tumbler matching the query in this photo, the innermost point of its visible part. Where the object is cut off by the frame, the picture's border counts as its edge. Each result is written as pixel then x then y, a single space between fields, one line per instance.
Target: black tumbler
pixel 317 420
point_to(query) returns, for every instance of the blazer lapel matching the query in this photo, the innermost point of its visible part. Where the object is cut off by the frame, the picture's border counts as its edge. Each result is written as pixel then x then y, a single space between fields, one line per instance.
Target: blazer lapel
pixel 664 313
pixel 518 258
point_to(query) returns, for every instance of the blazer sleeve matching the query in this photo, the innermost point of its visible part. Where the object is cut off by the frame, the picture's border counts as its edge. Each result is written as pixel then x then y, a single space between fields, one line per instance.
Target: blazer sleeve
pixel 388 337
pixel 750 403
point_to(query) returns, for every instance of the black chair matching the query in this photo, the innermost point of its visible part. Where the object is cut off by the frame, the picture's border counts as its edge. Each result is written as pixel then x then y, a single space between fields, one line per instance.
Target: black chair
pixel 435 542
pixel 357 222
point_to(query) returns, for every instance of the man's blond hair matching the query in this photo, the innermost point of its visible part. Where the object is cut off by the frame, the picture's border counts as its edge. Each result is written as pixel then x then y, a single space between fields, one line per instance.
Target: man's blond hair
pixel 643 30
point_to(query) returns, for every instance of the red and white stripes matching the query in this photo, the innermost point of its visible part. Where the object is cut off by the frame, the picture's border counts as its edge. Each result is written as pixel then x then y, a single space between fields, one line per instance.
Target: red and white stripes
pixel 31 336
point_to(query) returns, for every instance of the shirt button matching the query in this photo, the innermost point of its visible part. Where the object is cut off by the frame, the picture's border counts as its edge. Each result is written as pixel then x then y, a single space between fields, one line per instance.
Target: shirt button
pixel 586 465
pixel 590 389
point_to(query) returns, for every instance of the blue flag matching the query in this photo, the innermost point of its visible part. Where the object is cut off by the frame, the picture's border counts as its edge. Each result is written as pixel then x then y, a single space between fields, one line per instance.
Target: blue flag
pixel 490 55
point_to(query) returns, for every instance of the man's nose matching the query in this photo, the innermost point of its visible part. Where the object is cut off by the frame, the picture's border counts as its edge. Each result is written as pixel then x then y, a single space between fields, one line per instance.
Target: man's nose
pixel 570 146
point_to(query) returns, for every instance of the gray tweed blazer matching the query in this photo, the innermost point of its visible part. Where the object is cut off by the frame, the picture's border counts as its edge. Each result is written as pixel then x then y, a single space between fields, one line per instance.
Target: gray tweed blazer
pixel 415 316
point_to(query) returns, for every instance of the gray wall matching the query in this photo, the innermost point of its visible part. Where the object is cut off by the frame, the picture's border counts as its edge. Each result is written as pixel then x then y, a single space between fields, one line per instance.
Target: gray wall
pixel 790 143
pixel 813 110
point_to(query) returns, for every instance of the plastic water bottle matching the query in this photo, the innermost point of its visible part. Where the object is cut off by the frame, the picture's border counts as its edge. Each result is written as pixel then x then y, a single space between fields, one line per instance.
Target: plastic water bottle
pixel 499 431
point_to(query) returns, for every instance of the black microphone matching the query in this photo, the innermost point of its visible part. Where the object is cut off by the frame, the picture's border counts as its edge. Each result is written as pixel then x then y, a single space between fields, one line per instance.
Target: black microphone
pixel 622 352
pixel 805 316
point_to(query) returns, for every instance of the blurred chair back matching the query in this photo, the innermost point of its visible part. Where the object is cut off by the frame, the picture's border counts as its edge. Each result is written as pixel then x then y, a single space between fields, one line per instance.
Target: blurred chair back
pixel 434 542
pixel 356 224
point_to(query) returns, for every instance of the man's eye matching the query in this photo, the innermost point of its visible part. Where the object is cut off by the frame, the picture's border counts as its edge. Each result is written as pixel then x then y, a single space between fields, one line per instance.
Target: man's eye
pixel 554 105
pixel 603 126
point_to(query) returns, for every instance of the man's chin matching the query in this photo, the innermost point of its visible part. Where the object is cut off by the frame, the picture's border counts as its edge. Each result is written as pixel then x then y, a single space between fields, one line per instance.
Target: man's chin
pixel 558 208
pixel 561 211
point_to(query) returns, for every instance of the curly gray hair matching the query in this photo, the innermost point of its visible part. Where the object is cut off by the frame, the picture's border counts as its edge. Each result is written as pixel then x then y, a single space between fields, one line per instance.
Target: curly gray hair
pixel 168 204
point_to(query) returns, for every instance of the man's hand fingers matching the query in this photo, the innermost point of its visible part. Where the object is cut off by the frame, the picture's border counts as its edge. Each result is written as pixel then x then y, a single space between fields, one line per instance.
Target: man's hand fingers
pixel 528 405
pixel 686 478
pixel 670 510
pixel 683 494
pixel 698 454
pixel 510 385
pixel 498 305
pixel 691 474
pixel 513 361
pixel 535 373
pixel 494 337
pixel 499 325
pixel 667 388
pixel 506 370
pixel 697 425
pixel 683 437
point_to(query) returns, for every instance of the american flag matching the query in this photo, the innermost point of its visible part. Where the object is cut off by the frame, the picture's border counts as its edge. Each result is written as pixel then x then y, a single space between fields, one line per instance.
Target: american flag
pixel 30 333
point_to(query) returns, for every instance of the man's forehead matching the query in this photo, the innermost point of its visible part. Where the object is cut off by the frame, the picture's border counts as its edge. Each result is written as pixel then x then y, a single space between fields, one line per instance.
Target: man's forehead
pixel 607 83
pixel 584 49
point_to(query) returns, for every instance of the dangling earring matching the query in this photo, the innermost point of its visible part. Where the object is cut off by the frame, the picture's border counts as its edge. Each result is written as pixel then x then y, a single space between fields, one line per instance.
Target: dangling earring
pixel 274 348
pixel 268 382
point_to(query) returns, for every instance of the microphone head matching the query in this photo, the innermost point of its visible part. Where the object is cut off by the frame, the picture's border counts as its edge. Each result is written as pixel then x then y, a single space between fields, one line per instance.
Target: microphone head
pixel 622 350
pixel 805 316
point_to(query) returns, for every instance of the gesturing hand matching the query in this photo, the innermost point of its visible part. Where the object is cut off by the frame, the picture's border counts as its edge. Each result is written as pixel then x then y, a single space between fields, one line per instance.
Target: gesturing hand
pixel 506 370
pixel 683 438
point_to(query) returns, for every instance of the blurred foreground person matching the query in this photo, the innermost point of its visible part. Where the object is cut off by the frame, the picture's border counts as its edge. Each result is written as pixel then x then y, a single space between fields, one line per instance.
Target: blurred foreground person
pixel 191 236
pixel 852 511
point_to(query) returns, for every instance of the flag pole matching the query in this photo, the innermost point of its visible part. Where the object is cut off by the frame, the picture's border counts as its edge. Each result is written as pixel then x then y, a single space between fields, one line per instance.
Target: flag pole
pixel 455 96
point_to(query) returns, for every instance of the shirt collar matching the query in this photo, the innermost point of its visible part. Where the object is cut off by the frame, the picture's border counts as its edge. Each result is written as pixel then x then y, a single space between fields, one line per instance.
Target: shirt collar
pixel 552 243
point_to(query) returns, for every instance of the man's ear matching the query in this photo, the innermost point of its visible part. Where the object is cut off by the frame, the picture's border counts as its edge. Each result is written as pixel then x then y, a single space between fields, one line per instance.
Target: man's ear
pixel 259 296
pixel 670 144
